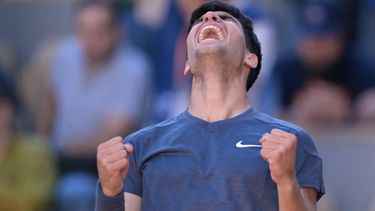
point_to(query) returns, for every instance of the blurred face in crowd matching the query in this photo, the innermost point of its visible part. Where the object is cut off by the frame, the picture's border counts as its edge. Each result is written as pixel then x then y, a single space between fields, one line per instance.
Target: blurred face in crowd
pixel 97 32
pixel 320 52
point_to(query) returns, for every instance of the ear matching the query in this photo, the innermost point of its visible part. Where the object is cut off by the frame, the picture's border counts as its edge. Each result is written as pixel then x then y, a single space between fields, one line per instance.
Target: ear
pixel 251 60
pixel 187 70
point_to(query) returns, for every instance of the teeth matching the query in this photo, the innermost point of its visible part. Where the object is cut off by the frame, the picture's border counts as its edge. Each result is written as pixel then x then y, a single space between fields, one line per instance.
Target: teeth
pixel 216 29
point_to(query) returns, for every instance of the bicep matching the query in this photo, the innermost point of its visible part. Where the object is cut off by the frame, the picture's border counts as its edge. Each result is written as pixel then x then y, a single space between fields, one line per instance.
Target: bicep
pixel 310 197
pixel 132 202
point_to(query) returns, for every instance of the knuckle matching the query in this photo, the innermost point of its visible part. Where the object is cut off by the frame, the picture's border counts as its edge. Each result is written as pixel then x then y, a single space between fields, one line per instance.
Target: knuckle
pixel 103 161
pixel 281 148
pixel 110 168
pixel 100 146
pixel 122 164
pixel 288 143
pixel 265 135
pixel 292 143
pixel 119 145
pixel 106 167
pixel 271 161
pixel 118 139
pixel 288 147
pixel 284 152
pixel 124 153
pixel 293 137
pixel 275 130
pixel 100 155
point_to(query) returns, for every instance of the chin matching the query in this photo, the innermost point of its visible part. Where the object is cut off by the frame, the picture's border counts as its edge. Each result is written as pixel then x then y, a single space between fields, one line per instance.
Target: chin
pixel 211 51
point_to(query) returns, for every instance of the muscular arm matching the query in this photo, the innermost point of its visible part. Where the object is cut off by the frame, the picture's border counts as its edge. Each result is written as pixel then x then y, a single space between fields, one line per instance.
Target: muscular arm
pixel 132 202
pixel 113 164
pixel 291 197
pixel 279 150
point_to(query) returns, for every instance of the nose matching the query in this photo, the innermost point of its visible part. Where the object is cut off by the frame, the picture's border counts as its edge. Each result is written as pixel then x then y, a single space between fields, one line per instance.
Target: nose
pixel 211 16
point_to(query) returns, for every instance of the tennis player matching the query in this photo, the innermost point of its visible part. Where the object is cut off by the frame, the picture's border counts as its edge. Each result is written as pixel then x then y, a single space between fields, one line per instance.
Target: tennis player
pixel 220 154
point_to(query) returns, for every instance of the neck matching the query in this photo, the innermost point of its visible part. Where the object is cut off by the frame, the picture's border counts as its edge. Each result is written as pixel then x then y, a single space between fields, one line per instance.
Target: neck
pixel 216 96
pixel 97 63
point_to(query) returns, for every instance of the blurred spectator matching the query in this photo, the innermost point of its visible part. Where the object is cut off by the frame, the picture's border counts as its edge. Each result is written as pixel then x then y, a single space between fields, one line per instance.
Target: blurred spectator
pixel 7 58
pixel 321 81
pixel 264 27
pixel 97 90
pixel 27 170
pixel 162 32
pixel 365 44
pixel 32 82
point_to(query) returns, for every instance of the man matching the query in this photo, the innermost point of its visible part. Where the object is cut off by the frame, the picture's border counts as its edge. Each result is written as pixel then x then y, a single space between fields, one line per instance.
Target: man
pixel 220 154
pixel 23 186
pixel 97 90
pixel 164 29
pixel 322 70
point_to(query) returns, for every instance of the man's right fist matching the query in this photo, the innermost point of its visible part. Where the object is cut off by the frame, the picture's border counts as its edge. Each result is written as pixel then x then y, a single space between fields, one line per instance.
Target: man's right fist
pixel 113 164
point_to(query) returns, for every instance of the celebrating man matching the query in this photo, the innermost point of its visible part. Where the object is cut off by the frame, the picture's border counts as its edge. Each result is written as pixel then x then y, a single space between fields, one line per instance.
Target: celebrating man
pixel 220 154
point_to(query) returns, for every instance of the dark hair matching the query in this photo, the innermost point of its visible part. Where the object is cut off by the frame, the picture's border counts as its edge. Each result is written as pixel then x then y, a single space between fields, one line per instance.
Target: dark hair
pixel 252 42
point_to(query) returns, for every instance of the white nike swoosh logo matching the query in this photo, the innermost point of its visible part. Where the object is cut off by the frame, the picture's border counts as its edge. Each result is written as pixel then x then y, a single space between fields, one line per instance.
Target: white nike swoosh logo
pixel 240 145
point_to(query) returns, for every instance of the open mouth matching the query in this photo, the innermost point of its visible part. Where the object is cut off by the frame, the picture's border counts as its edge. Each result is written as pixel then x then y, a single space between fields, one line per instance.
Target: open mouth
pixel 210 32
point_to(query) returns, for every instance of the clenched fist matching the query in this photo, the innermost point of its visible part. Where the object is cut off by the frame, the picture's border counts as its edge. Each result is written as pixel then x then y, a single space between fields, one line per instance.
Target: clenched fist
pixel 113 164
pixel 279 150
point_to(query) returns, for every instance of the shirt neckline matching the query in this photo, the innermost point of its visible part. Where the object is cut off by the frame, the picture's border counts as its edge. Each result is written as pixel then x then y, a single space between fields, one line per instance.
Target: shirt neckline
pixel 216 124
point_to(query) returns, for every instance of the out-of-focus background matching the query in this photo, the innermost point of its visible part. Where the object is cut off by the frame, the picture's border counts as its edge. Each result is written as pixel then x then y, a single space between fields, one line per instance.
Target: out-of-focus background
pixel 75 73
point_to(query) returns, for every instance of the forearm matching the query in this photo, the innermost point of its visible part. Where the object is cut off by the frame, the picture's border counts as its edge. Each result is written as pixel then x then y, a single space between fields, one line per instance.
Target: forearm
pixel 291 197
pixel 108 203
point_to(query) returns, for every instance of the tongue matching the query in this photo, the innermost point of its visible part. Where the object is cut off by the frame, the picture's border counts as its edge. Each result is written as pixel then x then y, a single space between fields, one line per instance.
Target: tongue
pixel 211 35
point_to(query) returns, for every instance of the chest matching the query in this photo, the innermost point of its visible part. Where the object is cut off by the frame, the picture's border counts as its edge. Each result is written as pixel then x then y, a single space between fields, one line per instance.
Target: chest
pixel 211 164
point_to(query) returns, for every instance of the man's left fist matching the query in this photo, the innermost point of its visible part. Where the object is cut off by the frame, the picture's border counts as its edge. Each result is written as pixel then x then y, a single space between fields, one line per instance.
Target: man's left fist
pixel 279 150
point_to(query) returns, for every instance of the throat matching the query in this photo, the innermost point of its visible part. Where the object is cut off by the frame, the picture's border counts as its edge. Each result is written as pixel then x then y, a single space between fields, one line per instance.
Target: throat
pixel 217 100
pixel 218 87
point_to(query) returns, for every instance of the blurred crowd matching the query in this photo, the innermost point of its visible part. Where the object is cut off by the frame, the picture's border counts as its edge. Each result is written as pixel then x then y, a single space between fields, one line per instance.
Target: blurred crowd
pixel 122 69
